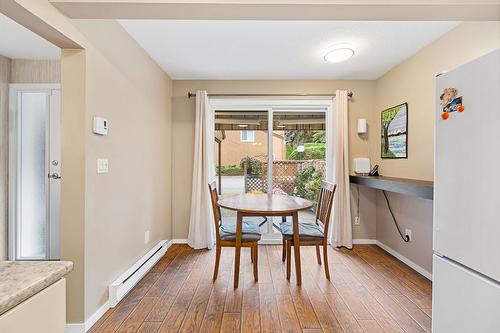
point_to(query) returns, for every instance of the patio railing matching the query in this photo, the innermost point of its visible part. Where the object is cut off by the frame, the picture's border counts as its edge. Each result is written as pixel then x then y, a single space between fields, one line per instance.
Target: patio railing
pixel 284 175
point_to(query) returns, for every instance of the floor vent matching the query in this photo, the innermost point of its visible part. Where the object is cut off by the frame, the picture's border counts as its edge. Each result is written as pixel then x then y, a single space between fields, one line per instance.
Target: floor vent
pixel 121 286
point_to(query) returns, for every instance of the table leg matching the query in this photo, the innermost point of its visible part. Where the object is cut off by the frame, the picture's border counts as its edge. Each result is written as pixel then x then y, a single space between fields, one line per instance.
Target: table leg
pixel 296 247
pixel 237 249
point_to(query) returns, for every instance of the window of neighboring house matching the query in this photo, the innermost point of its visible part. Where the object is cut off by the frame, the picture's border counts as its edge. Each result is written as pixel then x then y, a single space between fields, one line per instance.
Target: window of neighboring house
pixel 247 136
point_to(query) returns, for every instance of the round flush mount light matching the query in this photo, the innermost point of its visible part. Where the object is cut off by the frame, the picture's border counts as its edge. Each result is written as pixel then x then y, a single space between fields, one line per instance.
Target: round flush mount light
pixel 339 53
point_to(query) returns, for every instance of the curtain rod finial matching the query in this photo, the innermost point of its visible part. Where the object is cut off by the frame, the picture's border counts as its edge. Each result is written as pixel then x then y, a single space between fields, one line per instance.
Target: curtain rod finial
pixel 190 94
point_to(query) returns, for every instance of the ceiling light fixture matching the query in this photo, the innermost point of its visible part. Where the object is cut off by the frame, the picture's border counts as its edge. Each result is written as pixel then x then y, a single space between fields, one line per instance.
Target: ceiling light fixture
pixel 242 125
pixel 339 53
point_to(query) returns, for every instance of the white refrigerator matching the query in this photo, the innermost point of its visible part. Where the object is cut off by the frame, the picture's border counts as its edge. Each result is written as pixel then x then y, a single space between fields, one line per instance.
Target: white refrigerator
pixel 466 261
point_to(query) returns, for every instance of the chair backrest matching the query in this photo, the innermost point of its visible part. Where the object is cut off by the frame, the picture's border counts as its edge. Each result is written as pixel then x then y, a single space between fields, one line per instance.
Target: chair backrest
pixel 214 198
pixel 325 203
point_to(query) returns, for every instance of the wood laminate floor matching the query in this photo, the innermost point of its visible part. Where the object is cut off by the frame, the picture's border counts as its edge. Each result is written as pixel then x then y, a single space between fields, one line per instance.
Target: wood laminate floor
pixel 369 291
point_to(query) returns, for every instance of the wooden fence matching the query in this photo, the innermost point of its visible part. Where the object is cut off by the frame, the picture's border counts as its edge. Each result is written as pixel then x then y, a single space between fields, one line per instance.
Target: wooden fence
pixel 284 175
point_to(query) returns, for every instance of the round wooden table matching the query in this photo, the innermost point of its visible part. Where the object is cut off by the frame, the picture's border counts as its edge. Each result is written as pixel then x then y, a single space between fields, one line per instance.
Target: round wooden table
pixel 265 205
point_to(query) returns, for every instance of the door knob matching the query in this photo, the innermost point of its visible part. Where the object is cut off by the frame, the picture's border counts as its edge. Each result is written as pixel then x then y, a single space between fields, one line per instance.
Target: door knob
pixel 54 175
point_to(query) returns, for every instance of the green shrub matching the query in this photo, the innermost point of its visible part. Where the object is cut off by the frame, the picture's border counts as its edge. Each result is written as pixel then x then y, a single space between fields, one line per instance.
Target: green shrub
pixel 289 150
pixel 254 166
pixel 308 183
pixel 312 151
pixel 230 170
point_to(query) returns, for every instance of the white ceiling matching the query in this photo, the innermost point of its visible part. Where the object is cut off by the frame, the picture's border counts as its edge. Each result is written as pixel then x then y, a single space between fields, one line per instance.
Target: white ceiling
pixel 279 49
pixel 17 42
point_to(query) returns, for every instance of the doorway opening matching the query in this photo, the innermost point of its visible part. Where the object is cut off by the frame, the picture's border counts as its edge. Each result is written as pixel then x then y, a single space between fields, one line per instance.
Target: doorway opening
pixel 34 172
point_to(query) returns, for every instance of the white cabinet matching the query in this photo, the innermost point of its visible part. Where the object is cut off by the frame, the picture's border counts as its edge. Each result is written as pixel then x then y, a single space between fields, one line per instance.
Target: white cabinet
pixel 44 312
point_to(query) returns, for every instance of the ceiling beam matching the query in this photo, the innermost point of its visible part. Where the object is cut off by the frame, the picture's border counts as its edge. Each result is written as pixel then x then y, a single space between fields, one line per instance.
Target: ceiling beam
pixel 32 22
pixel 373 10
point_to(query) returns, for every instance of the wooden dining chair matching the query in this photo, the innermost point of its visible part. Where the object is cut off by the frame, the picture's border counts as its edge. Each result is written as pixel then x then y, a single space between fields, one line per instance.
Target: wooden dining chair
pixel 225 233
pixel 312 234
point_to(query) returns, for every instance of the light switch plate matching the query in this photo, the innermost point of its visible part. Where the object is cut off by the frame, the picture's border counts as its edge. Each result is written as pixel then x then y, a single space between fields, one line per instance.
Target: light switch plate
pixel 102 165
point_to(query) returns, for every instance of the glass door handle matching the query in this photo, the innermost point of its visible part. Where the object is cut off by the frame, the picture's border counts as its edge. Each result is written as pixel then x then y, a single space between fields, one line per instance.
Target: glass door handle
pixel 54 175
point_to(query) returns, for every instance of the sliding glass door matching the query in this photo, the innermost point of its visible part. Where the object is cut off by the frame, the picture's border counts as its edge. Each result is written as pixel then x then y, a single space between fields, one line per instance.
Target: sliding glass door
pixel 280 149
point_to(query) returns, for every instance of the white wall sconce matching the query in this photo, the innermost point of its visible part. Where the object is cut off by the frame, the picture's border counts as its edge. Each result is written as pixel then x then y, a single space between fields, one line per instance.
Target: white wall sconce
pixel 362 126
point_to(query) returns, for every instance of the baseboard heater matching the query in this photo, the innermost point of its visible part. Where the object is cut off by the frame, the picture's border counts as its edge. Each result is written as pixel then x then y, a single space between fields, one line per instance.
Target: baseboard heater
pixel 121 286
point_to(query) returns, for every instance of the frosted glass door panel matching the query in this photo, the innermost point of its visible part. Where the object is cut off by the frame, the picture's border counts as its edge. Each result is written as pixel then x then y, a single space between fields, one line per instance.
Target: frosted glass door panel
pixel 33 227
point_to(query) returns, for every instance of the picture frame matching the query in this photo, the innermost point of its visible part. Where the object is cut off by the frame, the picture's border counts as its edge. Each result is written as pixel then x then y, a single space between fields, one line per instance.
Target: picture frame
pixel 394 132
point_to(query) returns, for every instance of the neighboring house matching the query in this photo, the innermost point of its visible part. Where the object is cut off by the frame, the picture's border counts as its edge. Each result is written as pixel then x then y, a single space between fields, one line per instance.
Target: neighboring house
pixel 239 144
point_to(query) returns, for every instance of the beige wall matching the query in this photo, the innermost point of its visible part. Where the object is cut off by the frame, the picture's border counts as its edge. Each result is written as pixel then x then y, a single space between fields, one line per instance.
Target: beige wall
pixel 104 217
pixel 125 86
pixel 35 71
pixel 5 64
pixel 361 106
pixel 73 70
pixel 413 81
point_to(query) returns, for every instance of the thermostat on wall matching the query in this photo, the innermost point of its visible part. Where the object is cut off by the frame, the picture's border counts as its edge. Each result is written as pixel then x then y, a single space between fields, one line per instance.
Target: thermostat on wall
pixel 100 126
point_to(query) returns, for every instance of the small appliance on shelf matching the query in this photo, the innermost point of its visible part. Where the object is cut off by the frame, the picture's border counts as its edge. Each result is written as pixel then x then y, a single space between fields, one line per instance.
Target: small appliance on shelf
pixel 362 166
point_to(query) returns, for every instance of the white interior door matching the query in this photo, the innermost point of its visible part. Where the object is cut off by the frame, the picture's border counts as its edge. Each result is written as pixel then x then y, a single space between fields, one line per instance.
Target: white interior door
pixel 34 172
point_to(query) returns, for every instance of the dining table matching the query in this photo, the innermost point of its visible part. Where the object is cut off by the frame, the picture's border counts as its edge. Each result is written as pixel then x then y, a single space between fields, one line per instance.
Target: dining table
pixel 248 204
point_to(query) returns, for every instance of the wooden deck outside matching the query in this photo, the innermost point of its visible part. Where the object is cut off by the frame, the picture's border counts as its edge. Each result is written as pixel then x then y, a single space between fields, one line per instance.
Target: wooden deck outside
pixel 370 291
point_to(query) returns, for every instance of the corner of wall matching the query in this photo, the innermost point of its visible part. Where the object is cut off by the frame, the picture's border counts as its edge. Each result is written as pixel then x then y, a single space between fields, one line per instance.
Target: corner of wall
pixel 73 64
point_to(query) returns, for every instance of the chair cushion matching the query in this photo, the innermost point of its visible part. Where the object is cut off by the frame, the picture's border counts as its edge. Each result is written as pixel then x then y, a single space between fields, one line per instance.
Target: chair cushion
pixel 251 231
pixel 306 230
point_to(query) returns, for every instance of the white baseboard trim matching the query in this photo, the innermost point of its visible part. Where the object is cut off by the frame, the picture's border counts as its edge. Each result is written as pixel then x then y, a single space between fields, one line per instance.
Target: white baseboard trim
pixel 84 327
pixel 404 259
pixel 96 316
pixel 364 241
pixel 75 328
pixel 179 241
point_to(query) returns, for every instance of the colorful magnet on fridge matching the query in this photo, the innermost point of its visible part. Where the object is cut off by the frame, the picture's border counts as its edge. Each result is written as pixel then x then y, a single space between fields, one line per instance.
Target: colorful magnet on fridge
pixel 450 102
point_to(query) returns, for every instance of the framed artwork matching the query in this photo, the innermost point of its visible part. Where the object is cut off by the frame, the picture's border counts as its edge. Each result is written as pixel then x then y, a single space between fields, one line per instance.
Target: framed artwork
pixel 394 131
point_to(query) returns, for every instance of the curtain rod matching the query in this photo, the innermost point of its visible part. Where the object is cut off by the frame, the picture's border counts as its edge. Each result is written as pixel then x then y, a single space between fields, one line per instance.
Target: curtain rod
pixel 349 94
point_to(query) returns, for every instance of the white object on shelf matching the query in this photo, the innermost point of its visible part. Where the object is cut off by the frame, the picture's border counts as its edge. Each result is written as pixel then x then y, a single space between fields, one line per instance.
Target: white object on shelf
pixel 361 165
pixel 362 126
pixel 100 126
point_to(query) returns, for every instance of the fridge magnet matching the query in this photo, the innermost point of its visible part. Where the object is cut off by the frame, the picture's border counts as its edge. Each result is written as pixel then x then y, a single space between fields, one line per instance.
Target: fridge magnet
pixel 450 102
pixel 394 128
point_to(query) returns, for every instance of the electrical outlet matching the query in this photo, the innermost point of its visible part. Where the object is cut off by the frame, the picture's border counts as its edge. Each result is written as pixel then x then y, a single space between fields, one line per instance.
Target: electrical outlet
pixel 357 220
pixel 408 233
pixel 146 237
pixel 102 165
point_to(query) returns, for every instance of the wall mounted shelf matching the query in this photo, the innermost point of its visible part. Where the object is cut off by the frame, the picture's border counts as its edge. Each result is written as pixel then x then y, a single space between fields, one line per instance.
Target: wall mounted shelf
pixel 414 187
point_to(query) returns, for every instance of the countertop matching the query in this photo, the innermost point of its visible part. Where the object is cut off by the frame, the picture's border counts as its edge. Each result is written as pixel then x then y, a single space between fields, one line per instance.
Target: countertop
pixel 19 280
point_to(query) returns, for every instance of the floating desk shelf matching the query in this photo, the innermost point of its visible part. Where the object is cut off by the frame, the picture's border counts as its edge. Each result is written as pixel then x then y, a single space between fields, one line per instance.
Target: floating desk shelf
pixel 418 188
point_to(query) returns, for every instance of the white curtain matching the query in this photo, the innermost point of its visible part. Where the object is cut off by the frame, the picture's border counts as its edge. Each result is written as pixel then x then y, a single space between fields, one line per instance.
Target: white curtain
pixel 201 225
pixel 342 228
